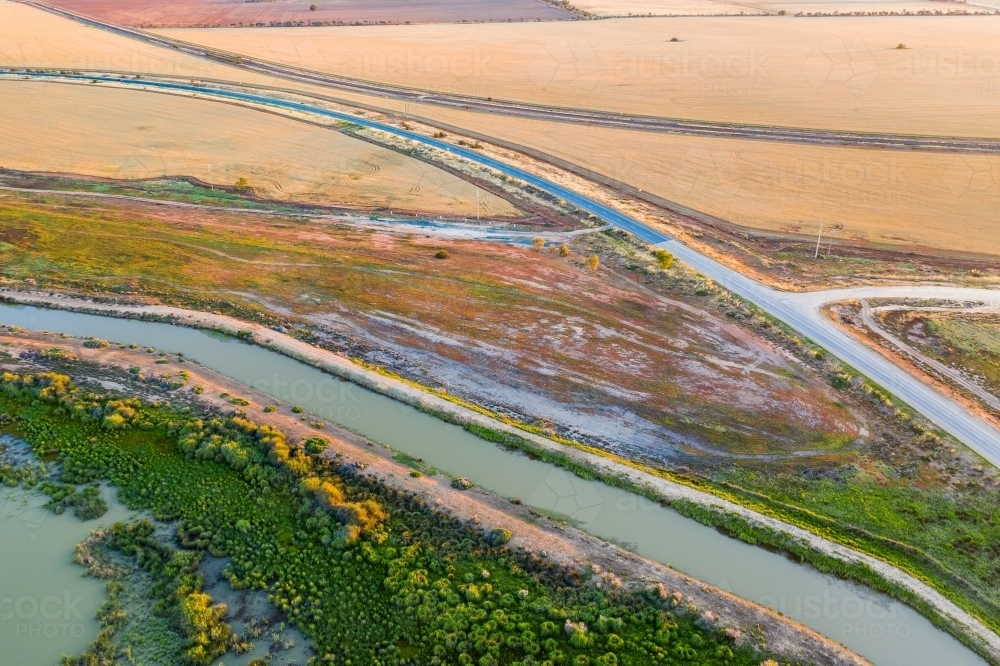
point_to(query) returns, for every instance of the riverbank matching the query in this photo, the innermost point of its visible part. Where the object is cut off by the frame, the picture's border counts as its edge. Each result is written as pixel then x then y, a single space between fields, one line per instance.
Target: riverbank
pixel 562 547
pixel 646 483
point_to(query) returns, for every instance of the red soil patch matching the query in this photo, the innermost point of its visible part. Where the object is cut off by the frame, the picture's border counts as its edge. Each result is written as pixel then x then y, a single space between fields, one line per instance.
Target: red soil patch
pixel 225 13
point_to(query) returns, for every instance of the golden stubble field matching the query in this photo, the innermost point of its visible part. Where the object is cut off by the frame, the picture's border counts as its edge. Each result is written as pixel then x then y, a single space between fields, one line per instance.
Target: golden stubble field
pixel 897 199
pixel 114 133
pixel 942 202
pixel 835 73
pixel 925 200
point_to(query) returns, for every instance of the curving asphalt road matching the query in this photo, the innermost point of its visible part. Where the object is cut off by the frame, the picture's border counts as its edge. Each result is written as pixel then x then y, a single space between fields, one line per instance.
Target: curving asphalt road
pixel 800 311
pixel 525 110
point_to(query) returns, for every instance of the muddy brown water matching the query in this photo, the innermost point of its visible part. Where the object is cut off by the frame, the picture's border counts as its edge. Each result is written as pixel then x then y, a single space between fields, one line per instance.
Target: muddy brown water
pixel 873 625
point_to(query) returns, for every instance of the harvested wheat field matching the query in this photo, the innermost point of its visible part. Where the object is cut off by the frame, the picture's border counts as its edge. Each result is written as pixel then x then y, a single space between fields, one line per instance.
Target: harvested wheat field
pixel 929 201
pixel 835 73
pixel 937 203
pixel 241 12
pixel 133 134
pixel 767 7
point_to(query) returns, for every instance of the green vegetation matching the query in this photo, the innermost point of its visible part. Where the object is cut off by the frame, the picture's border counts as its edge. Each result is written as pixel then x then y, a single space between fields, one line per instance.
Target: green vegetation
pixel 134 624
pixel 959 559
pixel 968 341
pixel 168 189
pixel 835 505
pixel 176 584
pixel 86 504
pixel 370 574
pixel 944 533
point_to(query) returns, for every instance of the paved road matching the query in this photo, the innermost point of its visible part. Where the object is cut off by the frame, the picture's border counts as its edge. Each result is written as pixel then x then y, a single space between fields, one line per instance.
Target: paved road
pixel 802 312
pixel 539 112
pixel 799 311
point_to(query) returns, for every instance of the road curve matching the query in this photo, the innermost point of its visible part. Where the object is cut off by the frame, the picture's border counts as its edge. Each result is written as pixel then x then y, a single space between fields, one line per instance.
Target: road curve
pixel 938 144
pixel 800 311
pixel 953 375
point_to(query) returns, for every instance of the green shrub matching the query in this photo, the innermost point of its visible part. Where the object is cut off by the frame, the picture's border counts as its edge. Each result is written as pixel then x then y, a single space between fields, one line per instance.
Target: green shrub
pixel 316 445
pixel 499 536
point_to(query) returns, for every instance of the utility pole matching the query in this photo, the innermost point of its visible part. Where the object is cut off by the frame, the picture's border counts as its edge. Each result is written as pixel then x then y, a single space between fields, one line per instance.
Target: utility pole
pixel 818 239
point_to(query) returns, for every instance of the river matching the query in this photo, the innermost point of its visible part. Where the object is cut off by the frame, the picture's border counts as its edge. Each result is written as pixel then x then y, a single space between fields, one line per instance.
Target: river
pixel 873 625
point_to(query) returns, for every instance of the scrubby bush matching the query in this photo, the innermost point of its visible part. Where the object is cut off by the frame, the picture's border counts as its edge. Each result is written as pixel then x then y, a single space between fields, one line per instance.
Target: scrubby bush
pixel 87 504
pixel 499 536
pixel 316 445
pixel 664 259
